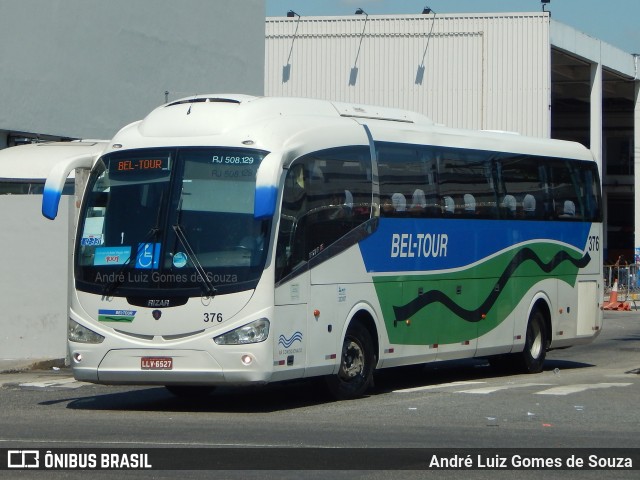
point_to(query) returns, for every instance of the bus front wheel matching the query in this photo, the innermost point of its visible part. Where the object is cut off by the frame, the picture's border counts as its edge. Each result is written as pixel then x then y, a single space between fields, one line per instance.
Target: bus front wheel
pixel 356 365
pixel 535 345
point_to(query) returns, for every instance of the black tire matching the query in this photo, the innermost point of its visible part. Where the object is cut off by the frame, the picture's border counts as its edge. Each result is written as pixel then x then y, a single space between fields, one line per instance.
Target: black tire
pixel 531 360
pixel 356 365
pixel 190 391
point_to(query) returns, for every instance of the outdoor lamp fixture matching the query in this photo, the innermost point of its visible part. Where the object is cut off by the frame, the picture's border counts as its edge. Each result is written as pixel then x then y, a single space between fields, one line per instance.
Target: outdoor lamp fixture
pixel 421 68
pixel 353 75
pixel 544 3
pixel 286 70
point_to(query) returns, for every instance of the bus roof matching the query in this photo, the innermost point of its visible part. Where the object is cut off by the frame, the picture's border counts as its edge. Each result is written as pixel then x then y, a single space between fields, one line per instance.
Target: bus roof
pixel 271 122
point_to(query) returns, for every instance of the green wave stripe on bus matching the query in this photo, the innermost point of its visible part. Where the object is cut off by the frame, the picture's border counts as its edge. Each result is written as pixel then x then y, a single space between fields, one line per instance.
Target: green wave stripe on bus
pixel 453 307
pixel 116 318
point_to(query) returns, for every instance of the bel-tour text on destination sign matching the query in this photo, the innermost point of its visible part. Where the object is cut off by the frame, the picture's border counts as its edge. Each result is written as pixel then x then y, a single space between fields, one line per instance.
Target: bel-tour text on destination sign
pixel 420 245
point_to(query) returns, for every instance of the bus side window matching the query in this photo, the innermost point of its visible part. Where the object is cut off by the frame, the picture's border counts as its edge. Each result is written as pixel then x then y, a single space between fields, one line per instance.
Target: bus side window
pixel 386 206
pixel 399 202
pixel 520 176
pixel 529 206
pixel 508 206
pixel 590 193
pixel 566 190
pixel 448 206
pixel 325 195
pixel 469 205
pixel 407 176
pixel 418 206
pixel 343 199
pixel 291 233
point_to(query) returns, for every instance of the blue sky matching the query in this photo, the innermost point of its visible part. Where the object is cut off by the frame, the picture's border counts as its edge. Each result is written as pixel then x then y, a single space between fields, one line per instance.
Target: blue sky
pixel 614 21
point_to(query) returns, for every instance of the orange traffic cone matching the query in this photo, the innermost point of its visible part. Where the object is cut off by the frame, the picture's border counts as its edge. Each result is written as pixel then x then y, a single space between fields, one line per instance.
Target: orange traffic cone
pixel 613 298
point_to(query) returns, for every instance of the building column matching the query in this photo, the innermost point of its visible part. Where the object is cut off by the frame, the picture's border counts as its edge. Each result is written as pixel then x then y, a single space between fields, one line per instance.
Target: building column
pixel 596 114
pixel 636 171
pixel 595 140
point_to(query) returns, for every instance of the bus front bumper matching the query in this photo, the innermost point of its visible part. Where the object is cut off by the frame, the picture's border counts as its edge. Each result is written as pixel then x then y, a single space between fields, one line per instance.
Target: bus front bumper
pixel 174 367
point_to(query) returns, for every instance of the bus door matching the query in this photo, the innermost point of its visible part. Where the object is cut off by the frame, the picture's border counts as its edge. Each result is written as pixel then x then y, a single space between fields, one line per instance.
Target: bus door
pixel 326 201
pixel 289 328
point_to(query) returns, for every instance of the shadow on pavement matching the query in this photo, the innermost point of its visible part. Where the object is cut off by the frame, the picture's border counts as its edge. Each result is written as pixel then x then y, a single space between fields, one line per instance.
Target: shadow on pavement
pixel 290 395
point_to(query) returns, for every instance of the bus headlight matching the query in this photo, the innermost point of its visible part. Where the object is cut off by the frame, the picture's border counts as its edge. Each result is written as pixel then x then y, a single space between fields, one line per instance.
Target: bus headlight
pixel 80 334
pixel 254 332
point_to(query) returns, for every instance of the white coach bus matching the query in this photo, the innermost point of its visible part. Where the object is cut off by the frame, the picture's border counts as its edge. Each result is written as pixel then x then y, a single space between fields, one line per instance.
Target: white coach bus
pixel 229 239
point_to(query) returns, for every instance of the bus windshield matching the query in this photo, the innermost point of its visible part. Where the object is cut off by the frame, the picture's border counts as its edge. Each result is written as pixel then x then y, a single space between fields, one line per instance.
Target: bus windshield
pixel 172 222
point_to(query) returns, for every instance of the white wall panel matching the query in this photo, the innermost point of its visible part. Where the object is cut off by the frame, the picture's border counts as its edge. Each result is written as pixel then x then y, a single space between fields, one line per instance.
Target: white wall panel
pixel 480 71
pixel 85 68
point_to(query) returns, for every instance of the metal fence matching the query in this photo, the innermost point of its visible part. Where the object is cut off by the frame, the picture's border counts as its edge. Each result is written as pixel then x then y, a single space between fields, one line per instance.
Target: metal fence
pixel 628 281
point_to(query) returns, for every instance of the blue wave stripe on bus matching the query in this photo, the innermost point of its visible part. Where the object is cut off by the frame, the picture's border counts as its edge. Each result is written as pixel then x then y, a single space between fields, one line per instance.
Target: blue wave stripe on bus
pixel 287 342
pixel 401 245
pixel 50 201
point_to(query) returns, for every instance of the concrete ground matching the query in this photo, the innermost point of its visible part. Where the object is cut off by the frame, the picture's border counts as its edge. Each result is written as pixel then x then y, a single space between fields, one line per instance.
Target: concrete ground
pixel 15 365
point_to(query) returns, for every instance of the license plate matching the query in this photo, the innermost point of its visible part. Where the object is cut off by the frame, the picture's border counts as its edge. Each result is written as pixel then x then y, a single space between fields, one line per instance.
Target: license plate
pixel 156 363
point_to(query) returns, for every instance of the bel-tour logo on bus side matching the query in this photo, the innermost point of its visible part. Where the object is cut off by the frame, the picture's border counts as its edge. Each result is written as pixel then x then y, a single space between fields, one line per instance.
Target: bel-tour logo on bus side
pixel 419 245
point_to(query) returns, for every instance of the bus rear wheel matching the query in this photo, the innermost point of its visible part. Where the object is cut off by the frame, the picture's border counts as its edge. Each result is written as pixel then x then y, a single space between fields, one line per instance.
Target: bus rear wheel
pixel 536 342
pixel 356 365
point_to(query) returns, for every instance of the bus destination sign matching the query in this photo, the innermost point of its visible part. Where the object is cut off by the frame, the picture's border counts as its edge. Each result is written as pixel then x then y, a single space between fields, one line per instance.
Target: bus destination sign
pixel 141 164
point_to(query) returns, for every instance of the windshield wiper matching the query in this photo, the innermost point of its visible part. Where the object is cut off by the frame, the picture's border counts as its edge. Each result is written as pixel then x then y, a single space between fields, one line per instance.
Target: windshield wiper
pixel 208 287
pixel 152 234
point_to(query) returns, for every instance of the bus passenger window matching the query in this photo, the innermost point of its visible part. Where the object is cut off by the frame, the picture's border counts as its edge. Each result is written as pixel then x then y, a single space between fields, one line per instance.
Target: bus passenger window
pixel 386 207
pixel 449 206
pixel 326 195
pixel 568 210
pixel 399 203
pixel 529 206
pixel 418 203
pixel 469 205
pixel 508 206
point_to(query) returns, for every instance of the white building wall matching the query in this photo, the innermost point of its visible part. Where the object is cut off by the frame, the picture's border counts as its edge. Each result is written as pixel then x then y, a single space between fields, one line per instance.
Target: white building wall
pixel 85 68
pixel 471 71
pixel 33 278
